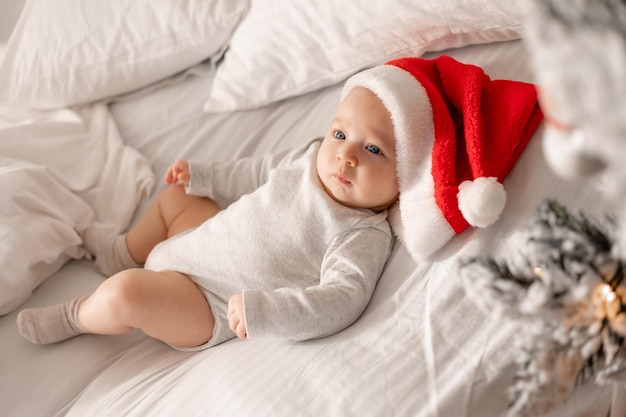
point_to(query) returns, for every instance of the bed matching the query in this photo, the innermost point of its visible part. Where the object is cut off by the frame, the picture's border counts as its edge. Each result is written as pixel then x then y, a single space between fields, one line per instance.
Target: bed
pixel 96 100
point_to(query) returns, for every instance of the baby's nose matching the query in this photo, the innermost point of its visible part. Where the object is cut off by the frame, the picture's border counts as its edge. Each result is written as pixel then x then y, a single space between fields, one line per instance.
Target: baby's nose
pixel 347 155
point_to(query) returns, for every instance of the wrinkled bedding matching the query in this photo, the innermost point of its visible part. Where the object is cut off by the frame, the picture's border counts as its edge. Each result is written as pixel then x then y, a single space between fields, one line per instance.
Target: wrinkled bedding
pixel 60 171
pixel 421 348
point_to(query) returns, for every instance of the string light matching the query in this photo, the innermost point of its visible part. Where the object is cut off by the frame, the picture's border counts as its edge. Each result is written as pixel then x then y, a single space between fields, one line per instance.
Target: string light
pixel 607 293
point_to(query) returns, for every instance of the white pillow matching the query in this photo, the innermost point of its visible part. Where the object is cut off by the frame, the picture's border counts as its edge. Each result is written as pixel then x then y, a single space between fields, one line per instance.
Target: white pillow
pixel 68 52
pixel 289 47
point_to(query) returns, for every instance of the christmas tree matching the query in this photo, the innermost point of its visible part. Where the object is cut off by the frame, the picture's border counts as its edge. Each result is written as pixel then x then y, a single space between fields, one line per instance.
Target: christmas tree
pixel 567 291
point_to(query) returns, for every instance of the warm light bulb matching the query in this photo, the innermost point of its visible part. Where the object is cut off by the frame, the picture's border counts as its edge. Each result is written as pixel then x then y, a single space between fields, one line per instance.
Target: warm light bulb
pixel 607 293
pixel 537 271
pixel 607 303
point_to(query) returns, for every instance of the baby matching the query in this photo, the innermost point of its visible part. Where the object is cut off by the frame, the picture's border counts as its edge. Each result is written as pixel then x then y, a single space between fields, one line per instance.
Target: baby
pixel 304 233
pixel 292 245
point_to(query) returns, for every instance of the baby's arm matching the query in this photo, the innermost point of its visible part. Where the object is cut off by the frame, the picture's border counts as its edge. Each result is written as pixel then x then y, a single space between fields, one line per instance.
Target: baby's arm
pixel 348 277
pixel 226 182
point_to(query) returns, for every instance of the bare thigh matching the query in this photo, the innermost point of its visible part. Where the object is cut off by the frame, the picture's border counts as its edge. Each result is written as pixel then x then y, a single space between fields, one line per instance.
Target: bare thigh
pixel 166 305
pixel 172 212
pixel 182 211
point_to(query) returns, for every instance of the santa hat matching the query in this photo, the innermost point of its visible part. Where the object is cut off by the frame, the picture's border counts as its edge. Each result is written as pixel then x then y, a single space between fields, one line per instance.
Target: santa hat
pixel 458 135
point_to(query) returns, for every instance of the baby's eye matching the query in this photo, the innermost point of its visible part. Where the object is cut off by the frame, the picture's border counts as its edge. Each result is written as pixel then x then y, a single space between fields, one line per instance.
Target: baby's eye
pixel 340 135
pixel 373 149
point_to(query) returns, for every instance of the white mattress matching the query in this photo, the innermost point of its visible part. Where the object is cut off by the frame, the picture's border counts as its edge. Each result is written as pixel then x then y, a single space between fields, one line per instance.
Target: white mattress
pixel 420 349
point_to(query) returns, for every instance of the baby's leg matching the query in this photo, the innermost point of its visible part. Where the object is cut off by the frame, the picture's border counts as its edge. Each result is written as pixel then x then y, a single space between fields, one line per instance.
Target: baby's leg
pixel 172 212
pixel 166 305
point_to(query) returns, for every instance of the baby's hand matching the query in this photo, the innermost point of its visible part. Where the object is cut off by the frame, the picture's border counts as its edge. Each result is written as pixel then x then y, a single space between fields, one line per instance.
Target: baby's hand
pixel 177 172
pixel 235 316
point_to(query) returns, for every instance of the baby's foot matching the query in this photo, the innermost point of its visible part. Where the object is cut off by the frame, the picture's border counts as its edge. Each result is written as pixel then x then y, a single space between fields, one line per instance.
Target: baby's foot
pixel 109 249
pixel 51 324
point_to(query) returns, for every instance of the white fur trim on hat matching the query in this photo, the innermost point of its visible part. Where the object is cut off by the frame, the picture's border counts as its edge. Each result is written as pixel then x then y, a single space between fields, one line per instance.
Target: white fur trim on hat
pixel 421 225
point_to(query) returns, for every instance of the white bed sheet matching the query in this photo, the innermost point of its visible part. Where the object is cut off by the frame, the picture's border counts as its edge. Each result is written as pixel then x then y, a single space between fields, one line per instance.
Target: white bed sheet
pixel 420 349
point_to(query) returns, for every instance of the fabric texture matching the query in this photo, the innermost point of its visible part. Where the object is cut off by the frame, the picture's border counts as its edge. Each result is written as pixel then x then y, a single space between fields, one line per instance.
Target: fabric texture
pixel 307 265
pixel 60 171
pixel 109 249
pixel 51 324
pixel 69 52
pixel 285 48
pixel 458 135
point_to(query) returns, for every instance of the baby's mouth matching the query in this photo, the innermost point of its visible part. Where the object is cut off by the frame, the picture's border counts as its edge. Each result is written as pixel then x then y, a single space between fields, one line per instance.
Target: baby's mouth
pixel 339 177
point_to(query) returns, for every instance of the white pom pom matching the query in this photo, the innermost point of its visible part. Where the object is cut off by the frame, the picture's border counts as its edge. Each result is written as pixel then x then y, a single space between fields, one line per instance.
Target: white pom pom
pixel 481 201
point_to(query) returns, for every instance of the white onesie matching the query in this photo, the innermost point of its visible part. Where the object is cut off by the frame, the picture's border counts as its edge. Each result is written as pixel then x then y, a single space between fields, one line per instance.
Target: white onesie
pixel 306 264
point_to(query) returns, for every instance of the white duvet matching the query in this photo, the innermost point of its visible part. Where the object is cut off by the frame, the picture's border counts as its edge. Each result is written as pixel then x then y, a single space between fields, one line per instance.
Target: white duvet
pixel 60 170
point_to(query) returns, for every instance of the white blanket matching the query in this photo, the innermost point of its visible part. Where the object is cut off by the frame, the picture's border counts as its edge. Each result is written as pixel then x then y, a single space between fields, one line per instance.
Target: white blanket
pixel 60 170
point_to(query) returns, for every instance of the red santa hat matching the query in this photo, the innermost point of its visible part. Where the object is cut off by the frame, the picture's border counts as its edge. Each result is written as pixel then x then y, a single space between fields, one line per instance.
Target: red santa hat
pixel 458 135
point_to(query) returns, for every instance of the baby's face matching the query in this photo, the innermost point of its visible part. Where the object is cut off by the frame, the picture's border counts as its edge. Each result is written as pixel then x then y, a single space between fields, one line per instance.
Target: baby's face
pixel 357 160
